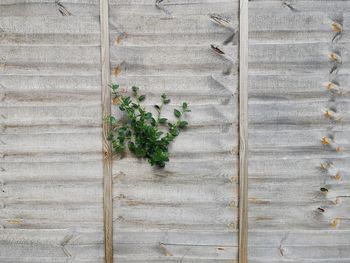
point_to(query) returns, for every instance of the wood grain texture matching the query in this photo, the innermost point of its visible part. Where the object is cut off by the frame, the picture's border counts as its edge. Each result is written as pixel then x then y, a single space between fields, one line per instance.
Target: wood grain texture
pixel 188 211
pixel 54 205
pixel 51 201
pixel 243 132
pixel 290 68
pixel 107 151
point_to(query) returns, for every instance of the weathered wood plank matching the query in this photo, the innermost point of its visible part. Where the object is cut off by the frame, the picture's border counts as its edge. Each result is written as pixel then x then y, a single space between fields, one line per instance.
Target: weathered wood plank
pixel 48 8
pixel 50 259
pixel 300 112
pixel 176 236
pixel 47 156
pixel 189 252
pixel 180 169
pixel 297 86
pixel 181 3
pixel 79 252
pixel 227 8
pixel 215 85
pixel 50 55
pixel 153 192
pixel 166 49
pixel 33 25
pixel 153 56
pixel 186 24
pixel 307 6
pixel 49 215
pixel 47 191
pixel 291 66
pixel 50 155
pixel 243 132
pixel 107 152
pixel 13 2
pixel 53 84
pixel 293 140
pixel 169 215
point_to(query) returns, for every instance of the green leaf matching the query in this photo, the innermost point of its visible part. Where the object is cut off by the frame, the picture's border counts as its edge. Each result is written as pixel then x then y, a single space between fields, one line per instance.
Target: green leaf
pixel 122 129
pixel 126 100
pixel 139 152
pixel 161 164
pixel 140 132
pixel 183 124
pixel 128 134
pixel 162 120
pixel 177 113
pixel 174 132
pixel 110 136
pixel 114 87
pixel 142 98
pixel 135 89
pixel 153 122
pixel 111 119
pixel 148 116
pixel 118 148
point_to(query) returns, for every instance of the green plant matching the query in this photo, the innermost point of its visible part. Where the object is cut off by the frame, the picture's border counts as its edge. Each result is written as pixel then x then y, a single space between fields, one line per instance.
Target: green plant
pixel 145 135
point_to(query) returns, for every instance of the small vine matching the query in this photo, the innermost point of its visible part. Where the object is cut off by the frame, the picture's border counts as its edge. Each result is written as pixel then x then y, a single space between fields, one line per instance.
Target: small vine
pixel 145 135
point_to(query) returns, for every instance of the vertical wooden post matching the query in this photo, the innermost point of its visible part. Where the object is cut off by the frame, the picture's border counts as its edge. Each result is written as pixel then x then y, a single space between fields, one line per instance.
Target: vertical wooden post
pixel 107 153
pixel 243 132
